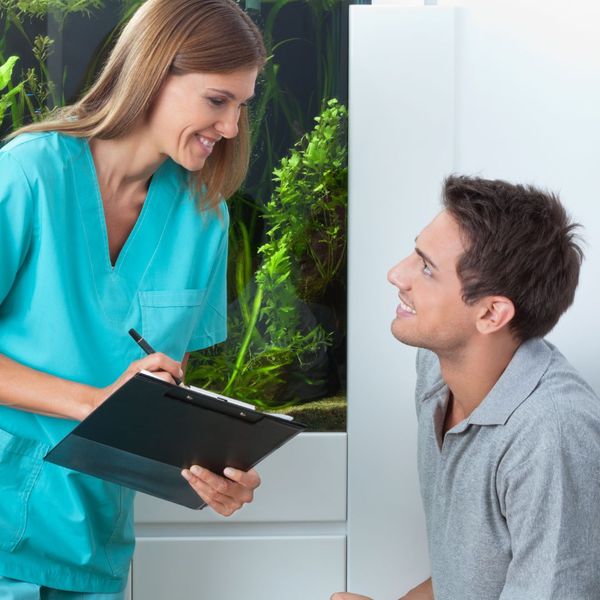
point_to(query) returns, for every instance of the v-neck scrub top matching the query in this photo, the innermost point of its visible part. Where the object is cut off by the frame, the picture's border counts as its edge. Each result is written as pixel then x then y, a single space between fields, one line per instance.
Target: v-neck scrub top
pixel 66 310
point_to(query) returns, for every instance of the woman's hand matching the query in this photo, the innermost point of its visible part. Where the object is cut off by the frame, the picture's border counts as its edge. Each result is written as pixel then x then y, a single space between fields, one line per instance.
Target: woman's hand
pixel 160 364
pixel 226 494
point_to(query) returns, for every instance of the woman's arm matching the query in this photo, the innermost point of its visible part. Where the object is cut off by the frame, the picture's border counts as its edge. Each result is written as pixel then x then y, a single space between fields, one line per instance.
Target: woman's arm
pixel 34 391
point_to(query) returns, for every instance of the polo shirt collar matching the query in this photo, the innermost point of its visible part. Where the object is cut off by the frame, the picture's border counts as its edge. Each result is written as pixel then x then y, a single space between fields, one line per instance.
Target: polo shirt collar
pixel 520 378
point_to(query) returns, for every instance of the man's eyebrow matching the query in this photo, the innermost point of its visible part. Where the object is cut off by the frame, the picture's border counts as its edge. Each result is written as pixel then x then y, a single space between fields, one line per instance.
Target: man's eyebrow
pixel 229 94
pixel 425 257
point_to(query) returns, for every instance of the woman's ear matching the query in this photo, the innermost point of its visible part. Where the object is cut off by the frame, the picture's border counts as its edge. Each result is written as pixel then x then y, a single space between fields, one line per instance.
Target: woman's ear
pixel 496 313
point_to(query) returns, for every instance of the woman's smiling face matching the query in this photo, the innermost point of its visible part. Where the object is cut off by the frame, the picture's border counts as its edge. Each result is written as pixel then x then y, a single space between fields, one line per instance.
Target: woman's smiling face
pixel 196 110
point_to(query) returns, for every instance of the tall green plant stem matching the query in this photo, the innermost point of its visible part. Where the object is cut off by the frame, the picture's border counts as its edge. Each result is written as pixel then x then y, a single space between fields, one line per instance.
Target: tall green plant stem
pixel 247 337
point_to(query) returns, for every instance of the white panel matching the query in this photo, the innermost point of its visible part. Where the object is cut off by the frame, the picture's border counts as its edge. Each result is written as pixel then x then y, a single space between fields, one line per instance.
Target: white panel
pixel 305 480
pixel 300 568
pixel 398 2
pixel 128 595
pixel 401 147
pixel 528 111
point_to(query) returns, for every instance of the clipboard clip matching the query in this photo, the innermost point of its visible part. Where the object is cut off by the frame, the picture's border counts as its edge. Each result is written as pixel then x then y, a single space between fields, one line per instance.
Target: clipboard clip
pixel 220 405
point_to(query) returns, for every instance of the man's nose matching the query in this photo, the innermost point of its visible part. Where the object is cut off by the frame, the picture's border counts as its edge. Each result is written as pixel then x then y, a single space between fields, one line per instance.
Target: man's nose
pixel 398 275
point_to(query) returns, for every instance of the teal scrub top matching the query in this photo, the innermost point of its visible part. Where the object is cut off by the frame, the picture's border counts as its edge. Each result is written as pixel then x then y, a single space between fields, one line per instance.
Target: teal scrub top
pixel 66 310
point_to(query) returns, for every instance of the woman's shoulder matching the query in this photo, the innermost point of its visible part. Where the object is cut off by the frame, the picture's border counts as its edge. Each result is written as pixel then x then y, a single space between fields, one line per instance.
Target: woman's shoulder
pixel 49 147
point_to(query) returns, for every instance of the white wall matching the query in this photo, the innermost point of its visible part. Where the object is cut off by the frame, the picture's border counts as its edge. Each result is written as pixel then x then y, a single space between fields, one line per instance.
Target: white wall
pixel 401 146
pixel 497 88
pixel 528 110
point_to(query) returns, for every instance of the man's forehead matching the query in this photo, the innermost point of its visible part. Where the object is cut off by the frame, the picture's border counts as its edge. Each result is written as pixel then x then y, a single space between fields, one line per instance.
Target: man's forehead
pixel 441 238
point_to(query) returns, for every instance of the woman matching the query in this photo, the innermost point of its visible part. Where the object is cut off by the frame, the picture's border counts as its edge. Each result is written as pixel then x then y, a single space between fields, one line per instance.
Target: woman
pixel 112 217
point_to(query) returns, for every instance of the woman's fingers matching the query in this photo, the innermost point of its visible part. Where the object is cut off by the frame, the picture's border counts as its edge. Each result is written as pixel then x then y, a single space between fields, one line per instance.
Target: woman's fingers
pixel 224 495
pixel 158 362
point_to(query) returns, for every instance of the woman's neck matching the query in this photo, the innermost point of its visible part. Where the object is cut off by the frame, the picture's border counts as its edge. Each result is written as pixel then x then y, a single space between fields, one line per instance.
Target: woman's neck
pixel 124 166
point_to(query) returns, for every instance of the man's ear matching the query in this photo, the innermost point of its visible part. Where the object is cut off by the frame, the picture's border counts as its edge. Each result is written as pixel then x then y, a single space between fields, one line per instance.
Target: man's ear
pixel 496 312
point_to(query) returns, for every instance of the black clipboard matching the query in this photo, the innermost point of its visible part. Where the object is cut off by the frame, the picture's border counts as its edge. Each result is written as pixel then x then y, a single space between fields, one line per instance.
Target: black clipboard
pixel 147 431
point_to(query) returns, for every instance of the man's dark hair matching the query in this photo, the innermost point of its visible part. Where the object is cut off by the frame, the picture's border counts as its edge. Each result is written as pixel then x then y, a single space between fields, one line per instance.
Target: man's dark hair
pixel 520 243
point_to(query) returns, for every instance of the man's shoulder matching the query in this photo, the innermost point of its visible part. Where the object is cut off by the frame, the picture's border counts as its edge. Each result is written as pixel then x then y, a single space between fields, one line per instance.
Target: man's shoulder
pixel 562 411
pixel 562 389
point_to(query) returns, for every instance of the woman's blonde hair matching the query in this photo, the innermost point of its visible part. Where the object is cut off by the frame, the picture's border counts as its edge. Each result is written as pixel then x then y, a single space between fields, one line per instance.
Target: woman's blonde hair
pixel 169 37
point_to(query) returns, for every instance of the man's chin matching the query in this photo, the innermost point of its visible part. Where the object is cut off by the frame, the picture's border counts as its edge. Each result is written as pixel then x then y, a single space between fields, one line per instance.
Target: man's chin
pixel 403 336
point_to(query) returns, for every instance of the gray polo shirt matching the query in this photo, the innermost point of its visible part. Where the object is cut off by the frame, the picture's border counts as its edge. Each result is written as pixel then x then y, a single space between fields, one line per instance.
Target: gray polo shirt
pixel 512 496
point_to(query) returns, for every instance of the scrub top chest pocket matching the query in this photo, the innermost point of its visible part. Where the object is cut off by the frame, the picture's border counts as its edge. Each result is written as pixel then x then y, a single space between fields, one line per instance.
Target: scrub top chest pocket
pixel 170 319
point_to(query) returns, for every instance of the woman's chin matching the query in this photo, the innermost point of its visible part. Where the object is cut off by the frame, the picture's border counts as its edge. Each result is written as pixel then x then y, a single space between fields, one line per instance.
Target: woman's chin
pixel 191 163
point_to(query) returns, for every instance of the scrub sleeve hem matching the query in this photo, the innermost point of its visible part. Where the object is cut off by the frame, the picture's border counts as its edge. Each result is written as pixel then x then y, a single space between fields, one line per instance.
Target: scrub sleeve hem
pixel 57 577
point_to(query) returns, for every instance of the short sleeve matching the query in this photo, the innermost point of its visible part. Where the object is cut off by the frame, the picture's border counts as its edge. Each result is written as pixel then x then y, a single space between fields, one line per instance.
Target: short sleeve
pixel 212 325
pixel 551 502
pixel 16 221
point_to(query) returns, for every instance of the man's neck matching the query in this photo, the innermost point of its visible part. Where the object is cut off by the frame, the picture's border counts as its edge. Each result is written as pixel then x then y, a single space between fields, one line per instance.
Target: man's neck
pixel 471 374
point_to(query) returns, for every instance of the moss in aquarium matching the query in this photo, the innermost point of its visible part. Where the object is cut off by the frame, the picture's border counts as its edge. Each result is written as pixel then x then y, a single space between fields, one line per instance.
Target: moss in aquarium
pixel 328 414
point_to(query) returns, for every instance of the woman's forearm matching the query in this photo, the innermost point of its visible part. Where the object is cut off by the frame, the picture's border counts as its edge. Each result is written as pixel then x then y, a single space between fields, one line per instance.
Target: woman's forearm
pixel 34 391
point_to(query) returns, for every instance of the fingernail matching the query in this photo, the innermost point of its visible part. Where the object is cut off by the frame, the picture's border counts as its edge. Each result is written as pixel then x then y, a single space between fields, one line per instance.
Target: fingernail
pixel 180 373
pixel 229 472
pixel 185 474
pixel 196 470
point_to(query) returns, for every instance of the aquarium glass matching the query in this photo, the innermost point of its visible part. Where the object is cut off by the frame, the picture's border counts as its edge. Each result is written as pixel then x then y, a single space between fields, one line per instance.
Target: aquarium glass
pixel 286 346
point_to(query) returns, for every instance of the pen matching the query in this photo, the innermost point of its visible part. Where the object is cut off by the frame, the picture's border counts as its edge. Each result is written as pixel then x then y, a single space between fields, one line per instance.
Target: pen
pixel 146 347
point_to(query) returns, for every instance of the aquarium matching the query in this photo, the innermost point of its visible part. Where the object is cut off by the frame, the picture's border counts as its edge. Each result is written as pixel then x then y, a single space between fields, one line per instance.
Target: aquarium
pixel 286 345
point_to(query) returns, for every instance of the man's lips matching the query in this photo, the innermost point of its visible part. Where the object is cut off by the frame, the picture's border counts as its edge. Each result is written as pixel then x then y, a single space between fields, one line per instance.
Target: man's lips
pixel 404 307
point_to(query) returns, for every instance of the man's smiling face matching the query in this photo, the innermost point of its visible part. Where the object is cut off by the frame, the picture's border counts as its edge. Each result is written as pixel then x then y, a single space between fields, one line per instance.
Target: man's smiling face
pixel 431 313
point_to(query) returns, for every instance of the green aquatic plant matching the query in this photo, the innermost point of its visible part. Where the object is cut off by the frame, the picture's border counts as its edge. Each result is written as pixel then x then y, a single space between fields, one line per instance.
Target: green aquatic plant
pixel 9 93
pixel 18 9
pixel 273 338
pixel 37 92
pixel 278 116
pixel 310 202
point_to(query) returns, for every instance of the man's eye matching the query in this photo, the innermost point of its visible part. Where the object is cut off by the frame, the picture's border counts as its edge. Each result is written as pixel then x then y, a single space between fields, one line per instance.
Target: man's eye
pixel 426 269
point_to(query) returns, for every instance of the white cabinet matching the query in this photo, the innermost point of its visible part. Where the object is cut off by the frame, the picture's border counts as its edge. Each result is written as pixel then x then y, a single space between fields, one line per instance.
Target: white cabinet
pixel 289 543
pixel 232 567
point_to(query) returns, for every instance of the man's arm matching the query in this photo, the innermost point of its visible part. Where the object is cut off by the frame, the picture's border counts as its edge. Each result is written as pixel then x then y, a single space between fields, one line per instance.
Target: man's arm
pixel 424 591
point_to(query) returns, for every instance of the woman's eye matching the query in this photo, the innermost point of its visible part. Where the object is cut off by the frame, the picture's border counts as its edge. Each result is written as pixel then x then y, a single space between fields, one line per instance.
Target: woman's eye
pixel 217 101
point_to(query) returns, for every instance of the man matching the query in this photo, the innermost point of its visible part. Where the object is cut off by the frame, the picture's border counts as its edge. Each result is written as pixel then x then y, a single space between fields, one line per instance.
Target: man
pixel 509 433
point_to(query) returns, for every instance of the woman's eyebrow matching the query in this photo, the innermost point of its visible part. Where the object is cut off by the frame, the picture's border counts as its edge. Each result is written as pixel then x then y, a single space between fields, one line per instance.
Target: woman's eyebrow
pixel 229 94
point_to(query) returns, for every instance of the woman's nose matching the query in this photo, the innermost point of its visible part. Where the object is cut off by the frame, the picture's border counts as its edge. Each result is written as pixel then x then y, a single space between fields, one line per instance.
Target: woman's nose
pixel 228 126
